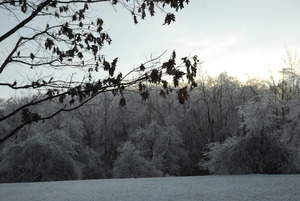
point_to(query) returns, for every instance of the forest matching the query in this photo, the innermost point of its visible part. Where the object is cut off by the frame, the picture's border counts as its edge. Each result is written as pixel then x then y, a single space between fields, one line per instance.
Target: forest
pixel 223 126
pixel 77 115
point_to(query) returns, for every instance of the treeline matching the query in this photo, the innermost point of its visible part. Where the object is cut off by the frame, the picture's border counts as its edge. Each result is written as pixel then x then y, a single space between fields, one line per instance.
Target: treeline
pixel 224 127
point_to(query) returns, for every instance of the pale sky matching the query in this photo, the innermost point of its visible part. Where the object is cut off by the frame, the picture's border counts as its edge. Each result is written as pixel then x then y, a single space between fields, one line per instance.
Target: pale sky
pixel 235 36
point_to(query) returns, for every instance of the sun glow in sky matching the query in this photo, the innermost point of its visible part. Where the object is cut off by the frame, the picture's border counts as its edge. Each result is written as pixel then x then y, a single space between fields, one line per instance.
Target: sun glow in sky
pixel 243 38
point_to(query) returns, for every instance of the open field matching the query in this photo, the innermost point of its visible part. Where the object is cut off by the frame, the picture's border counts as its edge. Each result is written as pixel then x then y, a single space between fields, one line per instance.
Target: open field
pixel 241 187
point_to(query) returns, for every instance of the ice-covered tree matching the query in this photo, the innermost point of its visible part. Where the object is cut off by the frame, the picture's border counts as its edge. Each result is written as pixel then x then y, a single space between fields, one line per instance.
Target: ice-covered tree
pixel 160 146
pixel 262 148
pixel 131 163
pixel 37 159
pixel 252 154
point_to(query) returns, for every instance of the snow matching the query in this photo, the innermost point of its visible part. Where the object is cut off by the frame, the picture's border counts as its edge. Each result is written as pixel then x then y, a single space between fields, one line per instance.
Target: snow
pixel 238 187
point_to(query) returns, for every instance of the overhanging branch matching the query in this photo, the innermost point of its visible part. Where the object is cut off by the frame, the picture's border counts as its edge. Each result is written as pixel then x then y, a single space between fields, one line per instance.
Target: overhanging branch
pixel 28 19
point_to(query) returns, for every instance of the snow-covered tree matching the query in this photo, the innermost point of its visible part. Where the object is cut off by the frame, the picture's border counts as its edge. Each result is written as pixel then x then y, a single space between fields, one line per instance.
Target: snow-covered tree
pixel 131 163
pixel 36 159
pixel 160 146
pixel 262 148
pixel 93 166
pixel 252 154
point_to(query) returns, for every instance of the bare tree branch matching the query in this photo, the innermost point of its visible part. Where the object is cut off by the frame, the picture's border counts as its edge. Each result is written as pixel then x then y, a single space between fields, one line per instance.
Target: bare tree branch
pixel 40 7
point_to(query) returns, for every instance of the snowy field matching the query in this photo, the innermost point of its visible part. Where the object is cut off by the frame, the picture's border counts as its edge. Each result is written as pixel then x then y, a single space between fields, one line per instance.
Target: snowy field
pixel 245 187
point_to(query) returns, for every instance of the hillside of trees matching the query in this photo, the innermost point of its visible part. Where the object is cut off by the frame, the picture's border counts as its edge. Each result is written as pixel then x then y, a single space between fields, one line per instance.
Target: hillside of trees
pixel 223 127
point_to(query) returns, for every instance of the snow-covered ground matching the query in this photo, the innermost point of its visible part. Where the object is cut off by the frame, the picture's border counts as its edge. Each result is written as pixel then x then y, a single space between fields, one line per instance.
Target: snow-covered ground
pixel 243 187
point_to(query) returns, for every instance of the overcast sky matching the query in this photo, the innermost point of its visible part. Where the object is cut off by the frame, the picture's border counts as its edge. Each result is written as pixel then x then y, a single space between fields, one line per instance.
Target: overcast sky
pixel 235 36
